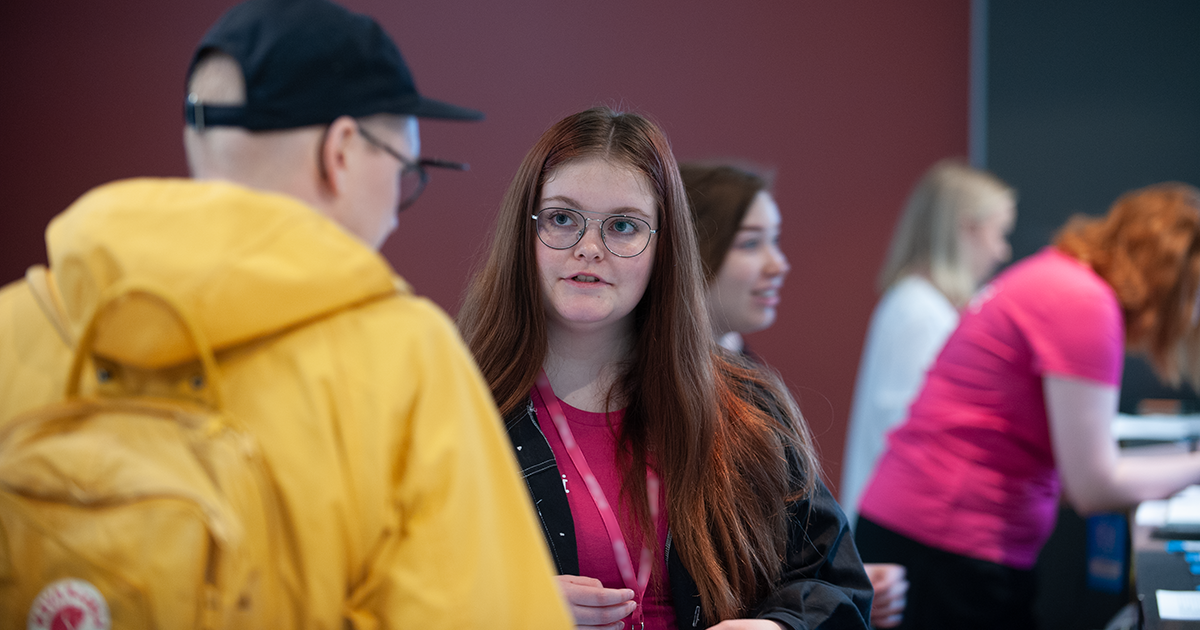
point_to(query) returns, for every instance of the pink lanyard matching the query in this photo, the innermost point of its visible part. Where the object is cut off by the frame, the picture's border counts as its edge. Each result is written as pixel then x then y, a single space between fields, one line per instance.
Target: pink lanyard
pixel 611 526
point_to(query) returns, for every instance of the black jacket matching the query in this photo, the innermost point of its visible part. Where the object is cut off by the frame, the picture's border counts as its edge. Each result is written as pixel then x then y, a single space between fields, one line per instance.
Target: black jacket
pixel 823 584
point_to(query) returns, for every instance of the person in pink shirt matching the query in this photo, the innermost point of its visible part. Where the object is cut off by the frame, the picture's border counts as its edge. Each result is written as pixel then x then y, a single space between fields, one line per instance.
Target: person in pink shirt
pixel 676 485
pixel 1018 407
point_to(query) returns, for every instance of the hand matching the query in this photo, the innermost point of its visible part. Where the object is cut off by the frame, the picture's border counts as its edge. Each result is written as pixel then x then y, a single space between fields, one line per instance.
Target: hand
pixel 594 606
pixel 891 590
pixel 747 624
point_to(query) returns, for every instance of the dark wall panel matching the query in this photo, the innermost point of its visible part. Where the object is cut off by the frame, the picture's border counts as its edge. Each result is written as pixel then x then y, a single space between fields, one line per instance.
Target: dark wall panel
pixel 1087 100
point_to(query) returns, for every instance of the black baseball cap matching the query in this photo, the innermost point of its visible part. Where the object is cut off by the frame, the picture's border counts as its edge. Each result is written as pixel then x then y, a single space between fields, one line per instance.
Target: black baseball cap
pixel 307 62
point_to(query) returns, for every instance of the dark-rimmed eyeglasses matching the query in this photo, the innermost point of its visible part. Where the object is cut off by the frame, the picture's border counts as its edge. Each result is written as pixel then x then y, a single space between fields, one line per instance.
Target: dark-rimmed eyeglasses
pixel 623 235
pixel 413 176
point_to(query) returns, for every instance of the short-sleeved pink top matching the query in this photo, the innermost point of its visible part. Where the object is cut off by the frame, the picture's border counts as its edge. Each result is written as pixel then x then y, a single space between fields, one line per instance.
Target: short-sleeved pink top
pixel 971 471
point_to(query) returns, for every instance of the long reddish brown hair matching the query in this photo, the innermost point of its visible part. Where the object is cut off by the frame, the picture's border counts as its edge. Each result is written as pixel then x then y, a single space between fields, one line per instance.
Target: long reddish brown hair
pixel 720 432
pixel 1148 249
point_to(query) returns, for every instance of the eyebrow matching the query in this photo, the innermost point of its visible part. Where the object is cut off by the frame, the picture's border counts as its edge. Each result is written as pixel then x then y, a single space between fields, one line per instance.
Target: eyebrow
pixel 575 205
pixel 756 228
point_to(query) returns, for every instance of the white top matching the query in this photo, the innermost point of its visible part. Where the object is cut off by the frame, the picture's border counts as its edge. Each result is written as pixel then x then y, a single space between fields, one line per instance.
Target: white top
pixel 907 330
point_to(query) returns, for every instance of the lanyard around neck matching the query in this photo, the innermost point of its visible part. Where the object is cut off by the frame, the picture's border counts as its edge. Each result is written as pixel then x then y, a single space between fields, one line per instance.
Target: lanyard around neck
pixel 636 583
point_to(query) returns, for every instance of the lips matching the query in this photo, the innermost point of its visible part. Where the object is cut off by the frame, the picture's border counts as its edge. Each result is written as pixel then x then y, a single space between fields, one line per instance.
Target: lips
pixel 585 278
pixel 766 297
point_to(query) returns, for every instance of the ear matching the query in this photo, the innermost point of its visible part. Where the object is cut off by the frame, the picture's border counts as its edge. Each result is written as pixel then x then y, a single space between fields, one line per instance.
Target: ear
pixel 334 156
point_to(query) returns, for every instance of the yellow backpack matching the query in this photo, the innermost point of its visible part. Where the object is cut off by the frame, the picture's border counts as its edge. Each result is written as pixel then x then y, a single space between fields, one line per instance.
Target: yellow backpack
pixel 140 503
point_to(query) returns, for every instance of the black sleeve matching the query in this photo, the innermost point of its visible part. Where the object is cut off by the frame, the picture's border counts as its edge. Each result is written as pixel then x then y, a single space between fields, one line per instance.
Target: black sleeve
pixel 823 583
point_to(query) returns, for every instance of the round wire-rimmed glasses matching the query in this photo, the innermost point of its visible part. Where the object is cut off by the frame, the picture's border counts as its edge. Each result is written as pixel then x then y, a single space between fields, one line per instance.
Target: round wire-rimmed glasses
pixel 623 235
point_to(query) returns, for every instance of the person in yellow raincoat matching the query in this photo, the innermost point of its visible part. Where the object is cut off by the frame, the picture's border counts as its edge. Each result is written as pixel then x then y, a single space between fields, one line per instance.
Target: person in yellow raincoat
pixel 403 505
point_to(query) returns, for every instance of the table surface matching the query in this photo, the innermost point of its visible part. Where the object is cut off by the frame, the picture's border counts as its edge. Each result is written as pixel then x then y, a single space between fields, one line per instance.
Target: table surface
pixel 1153 567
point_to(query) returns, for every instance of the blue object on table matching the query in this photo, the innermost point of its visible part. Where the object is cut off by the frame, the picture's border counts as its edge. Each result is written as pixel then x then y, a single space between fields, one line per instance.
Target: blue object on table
pixel 1181 546
pixel 1107 550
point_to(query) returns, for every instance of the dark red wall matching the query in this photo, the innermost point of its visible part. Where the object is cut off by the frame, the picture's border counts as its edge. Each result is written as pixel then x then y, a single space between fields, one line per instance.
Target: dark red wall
pixel 848 101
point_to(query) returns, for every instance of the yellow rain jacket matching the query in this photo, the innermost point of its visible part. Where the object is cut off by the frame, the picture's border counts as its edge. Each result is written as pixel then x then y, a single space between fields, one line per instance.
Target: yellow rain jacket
pixel 403 505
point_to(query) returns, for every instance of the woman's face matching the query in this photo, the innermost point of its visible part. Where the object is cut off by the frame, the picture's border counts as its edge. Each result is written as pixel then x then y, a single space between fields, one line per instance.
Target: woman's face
pixel 743 296
pixel 984 242
pixel 586 287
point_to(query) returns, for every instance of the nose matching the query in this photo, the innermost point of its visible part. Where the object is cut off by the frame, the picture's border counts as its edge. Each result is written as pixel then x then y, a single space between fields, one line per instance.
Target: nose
pixel 591 244
pixel 777 263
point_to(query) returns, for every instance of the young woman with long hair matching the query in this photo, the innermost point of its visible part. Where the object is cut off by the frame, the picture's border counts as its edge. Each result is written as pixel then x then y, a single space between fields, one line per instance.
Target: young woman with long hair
pixel 634 430
pixel 738 225
pixel 1017 409
pixel 737 230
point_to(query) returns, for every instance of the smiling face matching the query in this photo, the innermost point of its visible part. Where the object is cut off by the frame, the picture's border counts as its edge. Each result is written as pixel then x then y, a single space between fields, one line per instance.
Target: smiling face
pixel 585 287
pixel 743 296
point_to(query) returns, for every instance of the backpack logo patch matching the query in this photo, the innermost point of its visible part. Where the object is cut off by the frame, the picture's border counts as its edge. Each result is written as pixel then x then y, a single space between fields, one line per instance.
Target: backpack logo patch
pixel 69 605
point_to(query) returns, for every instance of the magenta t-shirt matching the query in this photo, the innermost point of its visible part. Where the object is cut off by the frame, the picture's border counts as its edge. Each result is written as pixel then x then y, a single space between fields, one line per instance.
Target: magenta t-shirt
pixel 596 435
pixel 971 471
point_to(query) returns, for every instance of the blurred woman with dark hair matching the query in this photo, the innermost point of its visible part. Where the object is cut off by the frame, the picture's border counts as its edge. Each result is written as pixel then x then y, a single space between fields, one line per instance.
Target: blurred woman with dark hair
pixel 738 225
pixel 635 432
pixel 737 230
pixel 1019 405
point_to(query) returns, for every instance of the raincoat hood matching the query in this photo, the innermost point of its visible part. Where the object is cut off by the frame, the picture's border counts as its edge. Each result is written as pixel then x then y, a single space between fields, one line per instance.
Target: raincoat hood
pixel 244 264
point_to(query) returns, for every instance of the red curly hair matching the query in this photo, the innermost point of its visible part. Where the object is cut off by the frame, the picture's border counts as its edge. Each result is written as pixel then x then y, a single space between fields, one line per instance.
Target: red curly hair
pixel 1148 249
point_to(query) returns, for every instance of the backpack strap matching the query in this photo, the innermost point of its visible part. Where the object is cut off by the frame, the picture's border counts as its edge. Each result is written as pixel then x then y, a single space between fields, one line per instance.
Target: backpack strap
pixel 127 289
pixel 45 293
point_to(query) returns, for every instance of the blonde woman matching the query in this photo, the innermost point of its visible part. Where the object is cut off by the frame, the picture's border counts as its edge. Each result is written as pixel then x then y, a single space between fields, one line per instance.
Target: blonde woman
pixel 951 237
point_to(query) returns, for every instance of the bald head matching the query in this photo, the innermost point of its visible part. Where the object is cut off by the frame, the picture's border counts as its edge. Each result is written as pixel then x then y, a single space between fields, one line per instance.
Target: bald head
pixel 217 80
pixel 281 161
pixel 331 168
